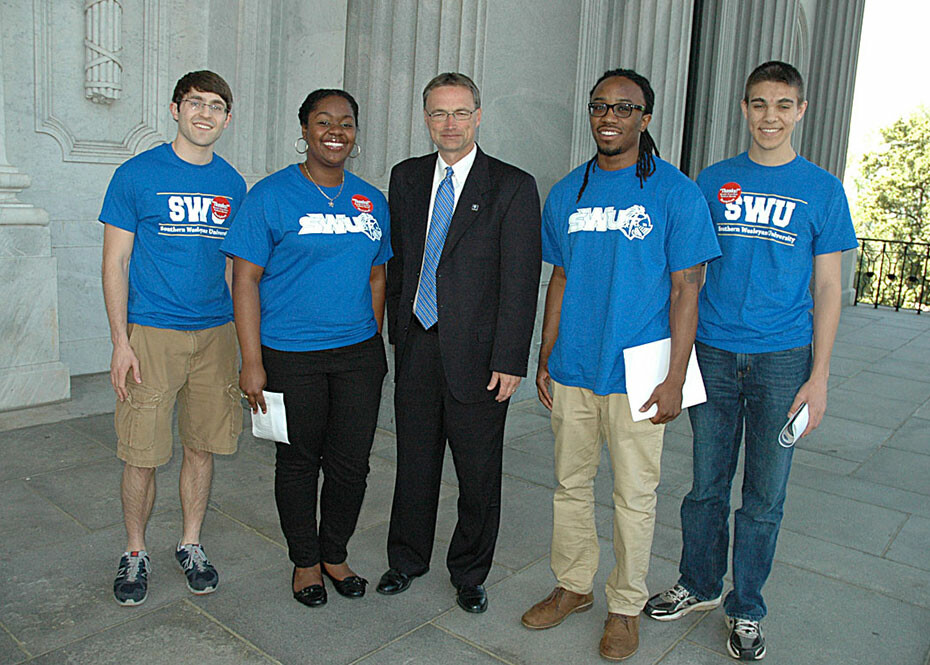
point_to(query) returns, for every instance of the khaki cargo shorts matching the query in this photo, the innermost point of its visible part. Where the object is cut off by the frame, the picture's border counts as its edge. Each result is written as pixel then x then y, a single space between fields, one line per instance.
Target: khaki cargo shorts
pixel 200 370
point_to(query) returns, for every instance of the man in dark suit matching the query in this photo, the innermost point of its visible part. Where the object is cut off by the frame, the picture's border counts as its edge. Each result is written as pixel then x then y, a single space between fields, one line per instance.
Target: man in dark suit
pixel 461 298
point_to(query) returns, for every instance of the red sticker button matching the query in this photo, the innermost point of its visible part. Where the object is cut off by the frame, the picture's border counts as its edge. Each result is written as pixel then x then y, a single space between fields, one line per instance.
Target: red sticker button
pixel 362 203
pixel 729 192
pixel 220 208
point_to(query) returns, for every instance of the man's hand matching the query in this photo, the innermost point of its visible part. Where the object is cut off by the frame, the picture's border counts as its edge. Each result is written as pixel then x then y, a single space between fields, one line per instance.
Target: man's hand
pixel 508 385
pixel 543 381
pixel 252 380
pixel 814 393
pixel 123 360
pixel 667 396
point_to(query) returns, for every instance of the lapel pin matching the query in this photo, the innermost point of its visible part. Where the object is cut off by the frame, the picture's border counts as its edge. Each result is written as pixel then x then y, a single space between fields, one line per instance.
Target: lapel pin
pixel 474 206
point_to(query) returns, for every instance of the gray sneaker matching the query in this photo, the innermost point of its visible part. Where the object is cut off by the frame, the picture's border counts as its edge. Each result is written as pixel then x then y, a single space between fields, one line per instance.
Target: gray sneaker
pixel 677 602
pixel 131 585
pixel 746 641
pixel 201 575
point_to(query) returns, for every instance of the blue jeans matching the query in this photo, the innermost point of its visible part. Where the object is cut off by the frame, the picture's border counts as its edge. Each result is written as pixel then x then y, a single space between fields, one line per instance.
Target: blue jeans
pixel 755 391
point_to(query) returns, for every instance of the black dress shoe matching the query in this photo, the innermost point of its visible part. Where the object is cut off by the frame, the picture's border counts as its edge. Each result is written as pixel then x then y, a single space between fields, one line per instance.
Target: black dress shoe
pixel 350 587
pixel 394 581
pixel 311 596
pixel 472 598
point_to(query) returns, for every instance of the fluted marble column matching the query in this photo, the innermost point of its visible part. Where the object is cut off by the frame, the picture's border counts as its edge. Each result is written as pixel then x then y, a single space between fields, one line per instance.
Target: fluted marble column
pixel 393 50
pixel 735 37
pixel 30 371
pixel 835 40
pixel 636 34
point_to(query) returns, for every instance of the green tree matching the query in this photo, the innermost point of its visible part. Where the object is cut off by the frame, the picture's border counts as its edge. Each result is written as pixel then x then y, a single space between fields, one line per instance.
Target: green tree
pixel 894 182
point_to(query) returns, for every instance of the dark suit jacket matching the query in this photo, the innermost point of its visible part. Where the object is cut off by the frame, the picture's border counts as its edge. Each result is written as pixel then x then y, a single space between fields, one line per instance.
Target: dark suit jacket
pixel 488 275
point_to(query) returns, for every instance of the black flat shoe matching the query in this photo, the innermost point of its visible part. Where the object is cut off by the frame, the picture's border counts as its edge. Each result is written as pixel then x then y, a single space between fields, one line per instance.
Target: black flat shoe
pixel 350 587
pixel 311 596
pixel 393 581
pixel 472 598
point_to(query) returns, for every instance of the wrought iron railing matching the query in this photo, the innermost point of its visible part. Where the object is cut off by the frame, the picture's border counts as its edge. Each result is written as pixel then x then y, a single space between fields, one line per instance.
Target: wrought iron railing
pixel 893 273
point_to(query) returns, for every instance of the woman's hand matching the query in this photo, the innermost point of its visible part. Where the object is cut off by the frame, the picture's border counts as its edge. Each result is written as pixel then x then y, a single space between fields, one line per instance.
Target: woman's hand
pixel 252 380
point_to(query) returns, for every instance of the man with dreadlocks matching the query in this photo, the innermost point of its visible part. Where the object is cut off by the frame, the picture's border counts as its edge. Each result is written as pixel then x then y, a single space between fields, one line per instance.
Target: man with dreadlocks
pixel 627 235
pixel 763 354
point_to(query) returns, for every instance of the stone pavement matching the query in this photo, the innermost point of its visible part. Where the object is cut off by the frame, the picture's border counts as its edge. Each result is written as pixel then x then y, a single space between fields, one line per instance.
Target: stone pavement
pixel 851 582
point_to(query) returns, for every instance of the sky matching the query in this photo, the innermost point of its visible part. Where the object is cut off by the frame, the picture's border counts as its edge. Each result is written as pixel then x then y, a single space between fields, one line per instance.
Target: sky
pixel 891 81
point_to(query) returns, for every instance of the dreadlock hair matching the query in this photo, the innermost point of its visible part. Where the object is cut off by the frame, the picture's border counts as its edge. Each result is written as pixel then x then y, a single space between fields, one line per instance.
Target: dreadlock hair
pixel 645 164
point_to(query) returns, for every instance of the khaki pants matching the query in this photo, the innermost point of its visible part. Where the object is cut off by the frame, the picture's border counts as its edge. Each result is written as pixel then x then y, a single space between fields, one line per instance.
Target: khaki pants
pixel 582 421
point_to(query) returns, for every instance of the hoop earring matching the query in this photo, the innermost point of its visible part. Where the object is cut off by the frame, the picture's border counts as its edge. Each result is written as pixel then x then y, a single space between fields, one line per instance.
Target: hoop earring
pixel 351 156
pixel 306 146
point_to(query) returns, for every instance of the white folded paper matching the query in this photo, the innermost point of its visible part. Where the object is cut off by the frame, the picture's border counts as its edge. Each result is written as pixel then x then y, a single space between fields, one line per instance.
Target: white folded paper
pixel 795 427
pixel 646 367
pixel 273 424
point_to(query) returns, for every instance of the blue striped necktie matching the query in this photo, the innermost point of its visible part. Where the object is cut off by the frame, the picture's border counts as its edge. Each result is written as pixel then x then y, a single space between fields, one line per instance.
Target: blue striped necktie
pixel 426 309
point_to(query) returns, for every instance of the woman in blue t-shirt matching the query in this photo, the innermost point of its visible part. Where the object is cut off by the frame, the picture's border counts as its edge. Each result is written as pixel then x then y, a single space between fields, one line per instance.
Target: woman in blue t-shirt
pixel 309 248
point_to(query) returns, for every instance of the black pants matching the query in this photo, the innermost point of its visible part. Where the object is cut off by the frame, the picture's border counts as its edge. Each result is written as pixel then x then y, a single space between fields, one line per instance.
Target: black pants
pixel 332 399
pixel 427 415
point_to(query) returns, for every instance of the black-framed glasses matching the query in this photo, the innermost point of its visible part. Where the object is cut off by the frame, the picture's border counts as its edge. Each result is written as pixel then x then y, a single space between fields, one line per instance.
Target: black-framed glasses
pixel 196 105
pixel 461 115
pixel 621 109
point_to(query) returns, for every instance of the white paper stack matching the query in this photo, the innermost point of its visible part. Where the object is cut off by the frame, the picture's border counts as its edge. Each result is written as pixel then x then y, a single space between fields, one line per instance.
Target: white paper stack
pixel 646 367
pixel 273 424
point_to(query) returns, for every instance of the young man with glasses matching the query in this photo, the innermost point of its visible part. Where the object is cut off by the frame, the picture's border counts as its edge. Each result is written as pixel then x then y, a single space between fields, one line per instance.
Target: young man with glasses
pixel 778 218
pixel 627 235
pixel 166 288
pixel 461 301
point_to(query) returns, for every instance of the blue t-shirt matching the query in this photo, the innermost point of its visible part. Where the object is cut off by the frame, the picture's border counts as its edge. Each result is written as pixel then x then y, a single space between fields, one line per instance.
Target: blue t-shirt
pixel 179 213
pixel 771 221
pixel 618 246
pixel 317 260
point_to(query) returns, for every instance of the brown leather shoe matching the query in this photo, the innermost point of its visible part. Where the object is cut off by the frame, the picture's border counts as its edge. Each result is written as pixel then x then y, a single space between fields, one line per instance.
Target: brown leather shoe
pixel 556 606
pixel 621 636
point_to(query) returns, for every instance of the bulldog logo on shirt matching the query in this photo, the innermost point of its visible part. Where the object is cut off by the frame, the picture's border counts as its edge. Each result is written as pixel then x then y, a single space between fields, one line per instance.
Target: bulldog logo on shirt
pixel 633 222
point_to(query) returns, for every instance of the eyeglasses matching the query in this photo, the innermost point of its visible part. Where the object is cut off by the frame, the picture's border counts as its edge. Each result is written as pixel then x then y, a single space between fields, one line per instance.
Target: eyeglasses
pixel 196 105
pixel 621 109
pixel 461 115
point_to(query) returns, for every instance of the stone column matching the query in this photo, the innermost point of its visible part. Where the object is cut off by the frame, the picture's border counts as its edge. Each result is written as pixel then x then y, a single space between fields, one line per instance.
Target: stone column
pixel 30 371
pixel 735 37
pixel 393 49
pixel 635 34
pixel 834 56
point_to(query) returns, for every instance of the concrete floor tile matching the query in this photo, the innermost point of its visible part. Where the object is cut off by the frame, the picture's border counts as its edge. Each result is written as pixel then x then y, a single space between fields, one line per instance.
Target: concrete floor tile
pixel 424 646
pixel 858 351
pixel 92 493
pixel 521 422
pixel 898 468
pixel 680 443
pixel 840 366
pixel 872 629
pixel 531 468
pixel 99 427
pixel 847 439
pixel 877 574
pixel 28 520
pixel 170 635
pixel 10 652
pixel 915 370
pixel 681 424
pixel 826 462
pixel 448 465
pixel 46 448
pixel 860 490
pixel 879 410
pixel 924 411
pixel 689 653
pixel 913 435
pixel 541 443
pixel 576 640
pixel 90 394
pixel 383 439
pixel 884 385
pixel 840 520
pixel 912 544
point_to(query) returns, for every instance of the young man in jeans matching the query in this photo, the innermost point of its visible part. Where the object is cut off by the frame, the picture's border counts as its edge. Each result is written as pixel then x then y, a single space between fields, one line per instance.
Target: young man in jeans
pixel 762 353
pixel 164 283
